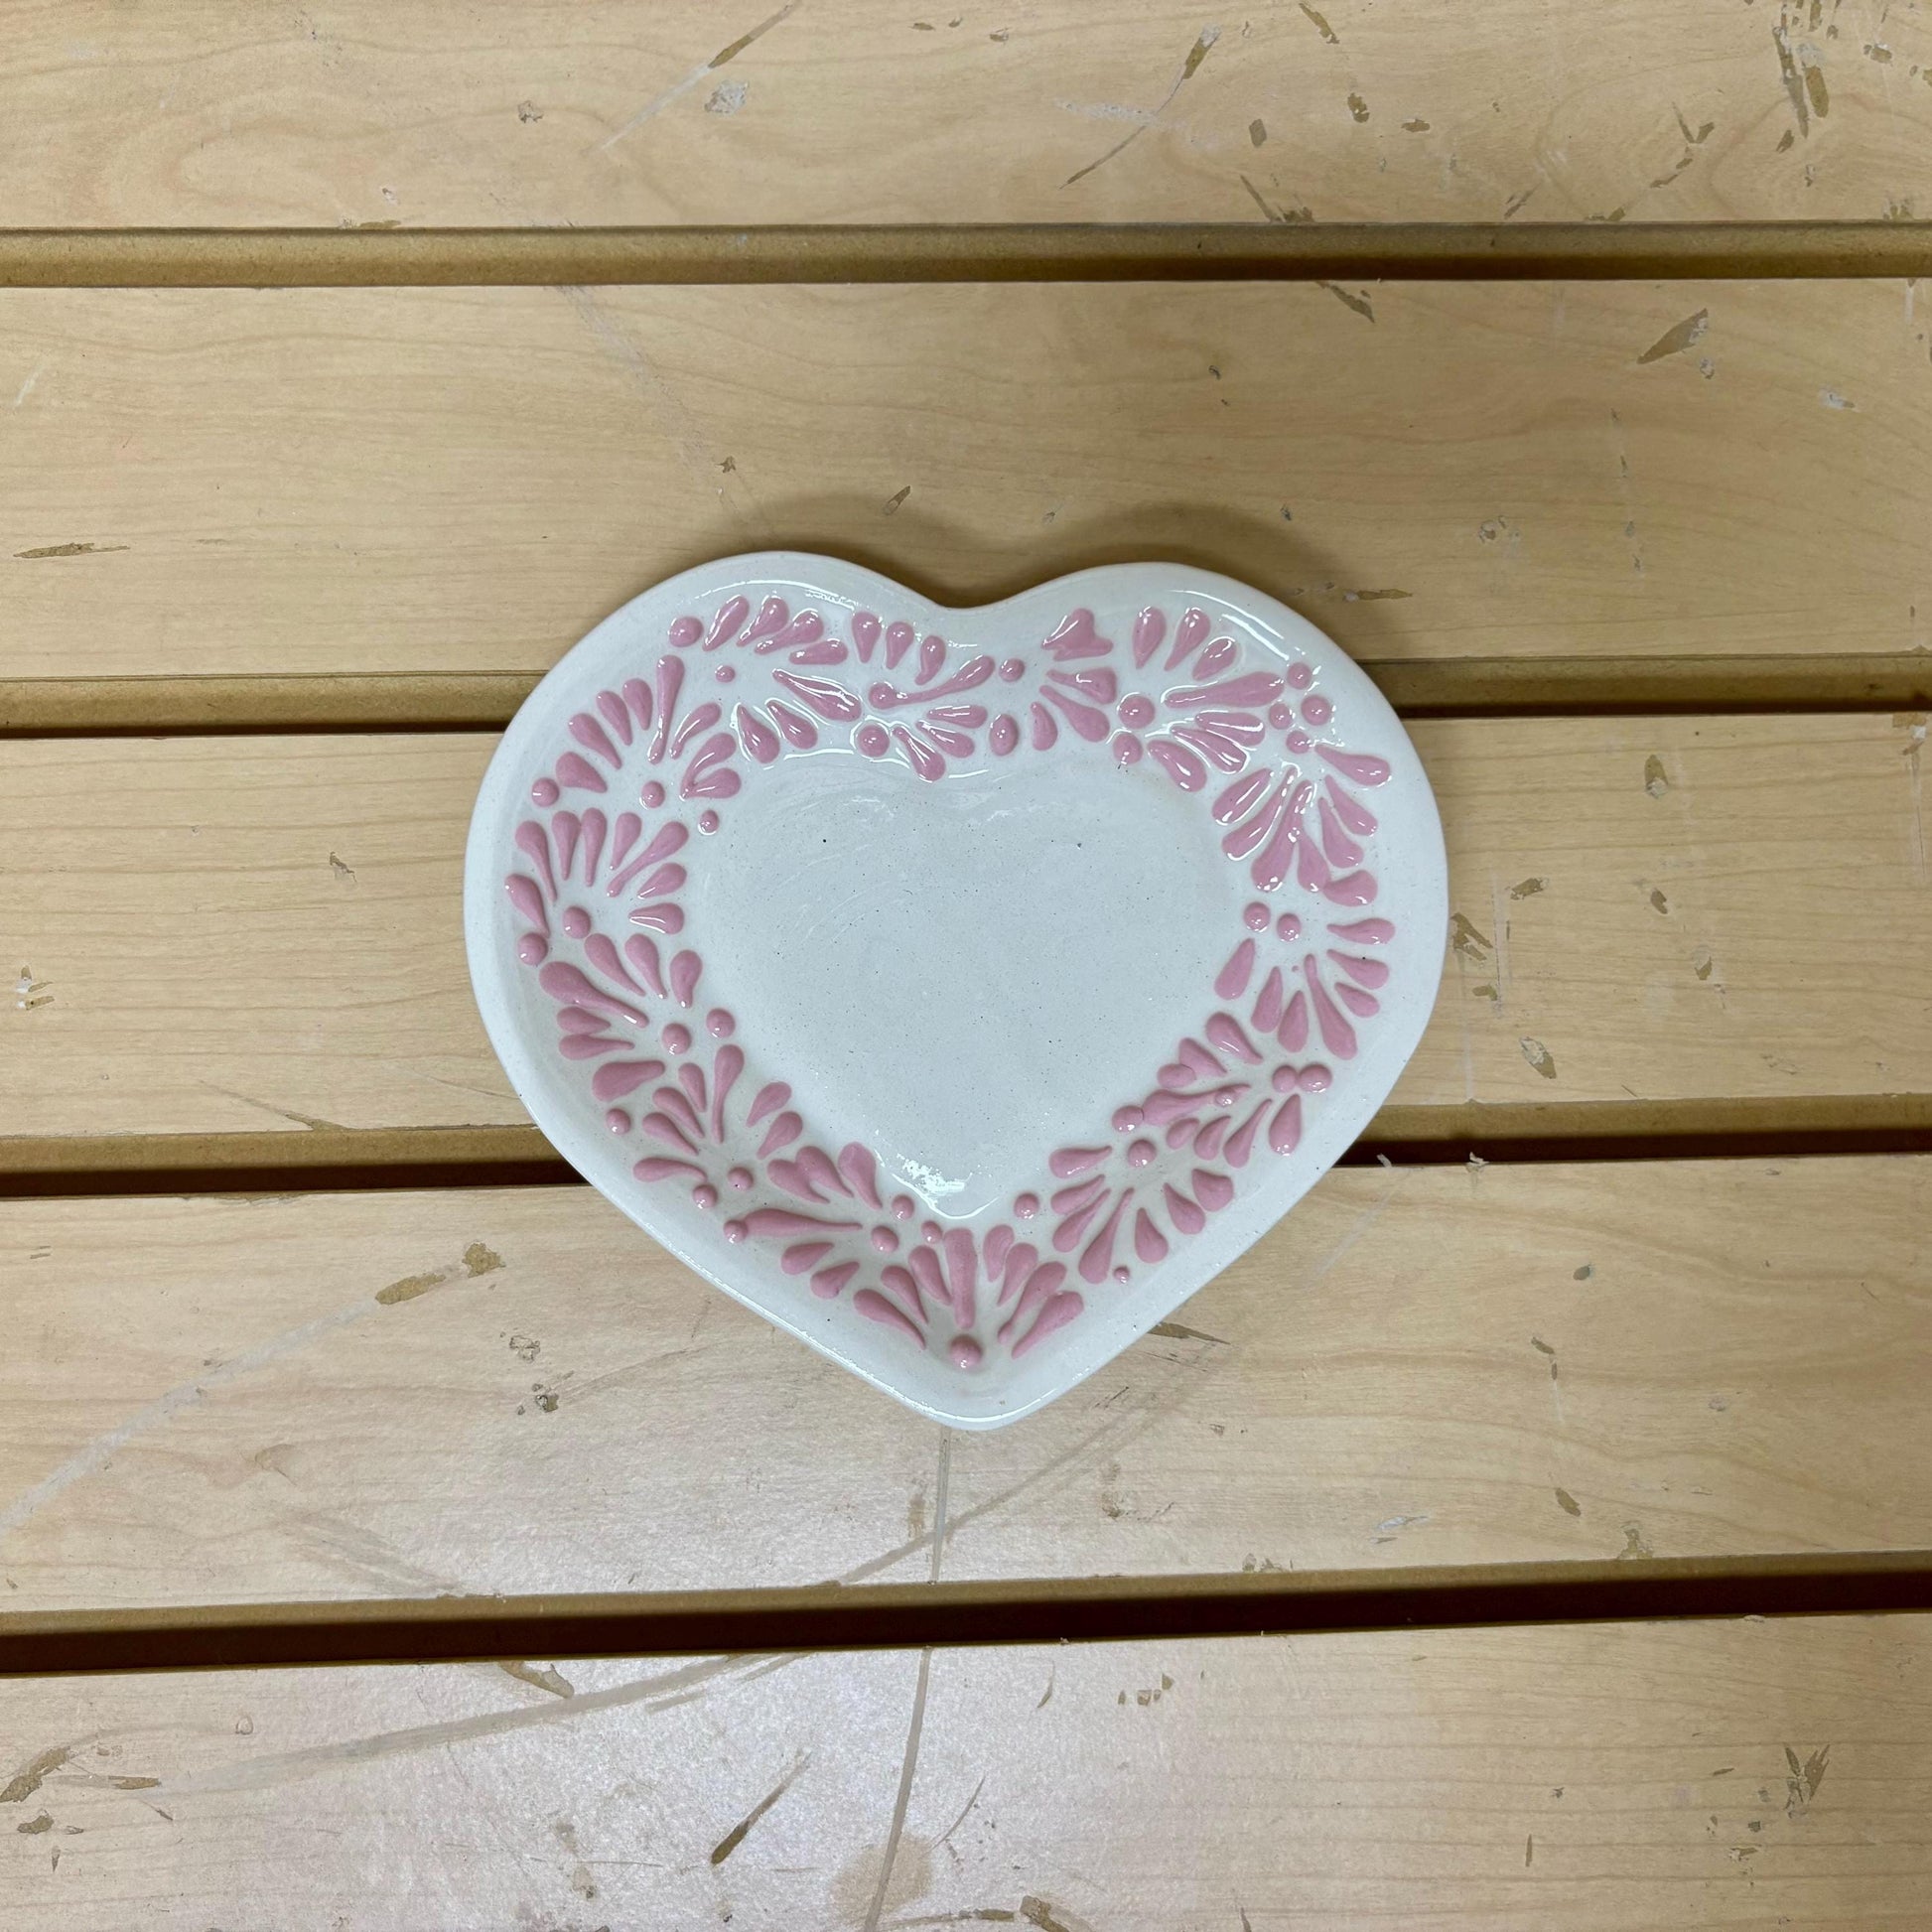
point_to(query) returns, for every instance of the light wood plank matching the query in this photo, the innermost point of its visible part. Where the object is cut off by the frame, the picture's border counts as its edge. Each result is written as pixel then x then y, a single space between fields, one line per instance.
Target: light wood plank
pixel 210 114
pixel 211 1400
pixel 1610 1780
pixel 240 934
pixel 439 480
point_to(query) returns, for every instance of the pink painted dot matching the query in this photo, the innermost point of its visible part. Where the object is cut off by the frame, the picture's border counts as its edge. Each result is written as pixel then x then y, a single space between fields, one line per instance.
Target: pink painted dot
pixel 872 740
pixel 685 632
pixel 964 1352
pixel 901 1207
pixel 1126 1119
pixel 1254 918
pixel 574 921
pixel 1012 671
pixel 1136 710
pixel 734 1230
pixel 930 1233
pixel 1141 1153
pixel 1301 676
pixel 706 1195
pixel 898 639
pixel 1123 1276
pixel 532 948
pixel 718 1024
pixel 617 1121
pixel 652 794
pixel 1126 749
pixel 1316 1079
pixel 725 674
pixel 706 822
pixel 884 1240
pixel 1026 1206
pixel 1300 740
pixel 1278 716
pixel 1288 926
pixel 677 1039
pixel 1226 1096
pixel 544 792
pixel 1284 1079
pixel 738 1179
pixel 1317 710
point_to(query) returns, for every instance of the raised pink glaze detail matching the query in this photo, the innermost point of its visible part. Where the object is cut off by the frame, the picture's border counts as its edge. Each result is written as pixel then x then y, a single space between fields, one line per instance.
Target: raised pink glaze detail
pixel 1221 1097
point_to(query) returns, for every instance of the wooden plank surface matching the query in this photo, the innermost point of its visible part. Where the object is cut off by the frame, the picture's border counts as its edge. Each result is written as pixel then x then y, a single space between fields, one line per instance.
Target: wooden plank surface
pixel 245 934
pixel 1746 1774
pixel 212 114
pixel 462 481
pixel 514 1390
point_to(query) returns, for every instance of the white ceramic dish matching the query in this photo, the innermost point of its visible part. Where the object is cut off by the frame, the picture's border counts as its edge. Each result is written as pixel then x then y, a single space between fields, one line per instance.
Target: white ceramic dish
pixel 960 988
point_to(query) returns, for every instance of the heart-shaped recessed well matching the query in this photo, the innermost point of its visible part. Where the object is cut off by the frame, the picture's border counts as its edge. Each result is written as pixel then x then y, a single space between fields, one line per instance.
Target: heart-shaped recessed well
pixel 958 987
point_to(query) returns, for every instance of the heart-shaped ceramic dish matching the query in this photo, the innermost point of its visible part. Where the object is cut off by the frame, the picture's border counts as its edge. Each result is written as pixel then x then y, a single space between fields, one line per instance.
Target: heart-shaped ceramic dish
pixel 960 988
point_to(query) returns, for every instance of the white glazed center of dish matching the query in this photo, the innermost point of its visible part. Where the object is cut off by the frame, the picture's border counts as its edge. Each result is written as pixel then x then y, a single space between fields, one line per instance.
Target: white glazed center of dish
pixel 964 973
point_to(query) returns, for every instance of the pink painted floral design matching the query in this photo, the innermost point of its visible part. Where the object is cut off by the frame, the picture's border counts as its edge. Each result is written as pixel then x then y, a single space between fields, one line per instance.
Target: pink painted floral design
pixel 647 764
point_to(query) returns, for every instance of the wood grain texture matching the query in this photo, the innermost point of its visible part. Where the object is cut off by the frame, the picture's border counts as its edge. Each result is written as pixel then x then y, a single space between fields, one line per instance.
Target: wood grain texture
pixel 449 481
pixel 212 115
pixel 1609 1780
pixel 255 934
pixel 514 1390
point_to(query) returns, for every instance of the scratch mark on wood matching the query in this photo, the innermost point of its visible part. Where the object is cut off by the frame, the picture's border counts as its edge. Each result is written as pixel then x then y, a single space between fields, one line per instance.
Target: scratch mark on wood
pixel 661 1691
pixel 1794 87
pixel 31 1775
pixel 94 1456
pixel 1175 1332
pixel 916 1722
pixel 1676 339
pixel 674 420
pixel 1271 212
pixel 1360 304
pixel 549 1679
pixel 1802 1785
pixel 1049 1917
pixel 311 1121
pixel 964 1809
pixel 1321 27
pixel 1190 67
pixel 678 89
pixel 71 550
pixel 733 1837
pixel 1914 724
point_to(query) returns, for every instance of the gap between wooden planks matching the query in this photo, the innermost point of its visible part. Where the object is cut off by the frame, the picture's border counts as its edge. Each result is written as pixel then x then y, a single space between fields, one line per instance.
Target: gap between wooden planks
pixel 763 1622
pixel 1460 687
pixel 1227 251
pixel 1521 1133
